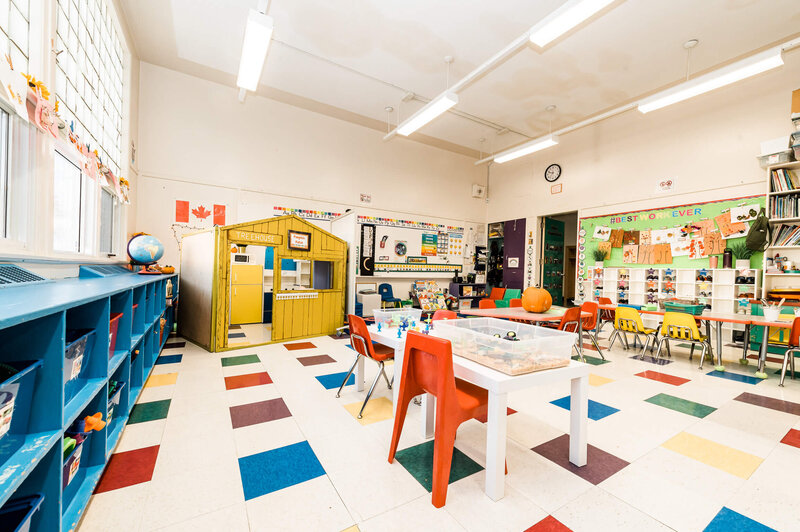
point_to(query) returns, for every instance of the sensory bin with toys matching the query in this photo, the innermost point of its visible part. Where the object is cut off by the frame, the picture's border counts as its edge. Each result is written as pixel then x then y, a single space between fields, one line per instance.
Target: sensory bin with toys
pixel 509 347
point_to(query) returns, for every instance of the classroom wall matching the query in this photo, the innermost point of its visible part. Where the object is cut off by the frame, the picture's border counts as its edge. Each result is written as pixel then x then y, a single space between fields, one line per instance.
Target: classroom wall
pixel 707 145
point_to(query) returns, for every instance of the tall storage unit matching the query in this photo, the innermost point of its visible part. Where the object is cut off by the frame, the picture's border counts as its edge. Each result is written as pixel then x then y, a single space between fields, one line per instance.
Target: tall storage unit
pixel 43 327
pixel 247 293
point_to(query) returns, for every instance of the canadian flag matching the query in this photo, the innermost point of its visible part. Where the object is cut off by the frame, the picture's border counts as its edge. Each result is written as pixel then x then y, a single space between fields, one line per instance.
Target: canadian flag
pixel 199 214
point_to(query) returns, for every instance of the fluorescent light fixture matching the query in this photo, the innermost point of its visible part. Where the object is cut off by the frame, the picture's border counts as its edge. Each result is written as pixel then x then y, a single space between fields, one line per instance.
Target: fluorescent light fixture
pixel 257 35
pixel 564 19
pixel 714 80
pixel 432 109
pixel 527 148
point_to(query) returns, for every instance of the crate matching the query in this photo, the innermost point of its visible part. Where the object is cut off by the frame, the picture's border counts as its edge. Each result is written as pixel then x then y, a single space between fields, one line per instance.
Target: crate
pixel 535 348
pixel 79 343
pixel 73 462
pixel 113 327
pixel 16 393
pixel 694 310
pixel 113 401
pixel 775 158
pixel 16 514
pixel 391 317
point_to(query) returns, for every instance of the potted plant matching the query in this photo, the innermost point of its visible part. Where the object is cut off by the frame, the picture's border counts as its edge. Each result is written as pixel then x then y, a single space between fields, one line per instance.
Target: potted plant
pixel 599 257
pixel 742 254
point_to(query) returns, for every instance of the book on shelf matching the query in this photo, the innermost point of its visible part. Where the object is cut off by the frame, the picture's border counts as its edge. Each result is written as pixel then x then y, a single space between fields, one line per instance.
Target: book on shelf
pixel 783 180
pixel 784 206
pixel 786 235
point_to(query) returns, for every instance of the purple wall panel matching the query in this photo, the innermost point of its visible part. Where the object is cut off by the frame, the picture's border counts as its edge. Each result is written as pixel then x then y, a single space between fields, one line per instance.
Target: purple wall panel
pixel 514 246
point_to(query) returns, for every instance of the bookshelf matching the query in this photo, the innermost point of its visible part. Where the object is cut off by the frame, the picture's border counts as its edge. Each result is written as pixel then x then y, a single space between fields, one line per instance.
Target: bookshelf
pixel 783 211
pixel 34 320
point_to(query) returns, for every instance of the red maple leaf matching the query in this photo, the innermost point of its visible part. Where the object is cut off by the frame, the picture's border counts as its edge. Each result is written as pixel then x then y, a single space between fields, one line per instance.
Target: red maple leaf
pixel 201 212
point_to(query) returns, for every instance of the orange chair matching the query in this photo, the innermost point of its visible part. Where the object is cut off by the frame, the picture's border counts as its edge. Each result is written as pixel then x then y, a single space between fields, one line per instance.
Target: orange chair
pixel 428 368
pixel 590 324
pixel 444 315
pixel 569 323
pixel 606 316
pixel 794 346
pixel 497 293
pixel 361 343
pixel 516 302
pixel 487 303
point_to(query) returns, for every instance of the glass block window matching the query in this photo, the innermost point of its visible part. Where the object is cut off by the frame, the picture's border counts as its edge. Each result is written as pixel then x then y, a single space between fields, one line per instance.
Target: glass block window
pixel 14 29
pixel 89 75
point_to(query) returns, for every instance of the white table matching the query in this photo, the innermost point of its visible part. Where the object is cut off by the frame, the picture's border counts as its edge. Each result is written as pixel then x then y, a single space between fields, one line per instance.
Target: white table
pixel 498 385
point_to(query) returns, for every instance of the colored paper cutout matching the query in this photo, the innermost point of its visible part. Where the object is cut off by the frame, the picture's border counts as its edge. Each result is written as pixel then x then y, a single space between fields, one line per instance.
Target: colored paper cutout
pixel 646 254
pixel 713 244
pixel 630 238
pixel 602 232
pixel 645 237
pixel 630 254
pixel 728 228
pixel 662 254
pixel 606 247
pixel 616 238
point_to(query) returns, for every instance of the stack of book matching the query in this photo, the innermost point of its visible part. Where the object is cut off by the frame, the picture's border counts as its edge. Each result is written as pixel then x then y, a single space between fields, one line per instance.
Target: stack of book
pixel 782 180
pixel 786 235
pixel 784 206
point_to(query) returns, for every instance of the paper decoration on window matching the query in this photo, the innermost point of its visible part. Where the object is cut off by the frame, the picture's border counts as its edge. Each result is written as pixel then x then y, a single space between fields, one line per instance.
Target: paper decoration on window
pixel 630 254
pixel 728 228
pixel 745 213
pixel 644 237
pixel 630 238
pixel 662 254
pixel 605 247
pixel 696 248
pixel 646 254
pixel 602 232
pixel 680 248
pixel 616 238
pixel 713 244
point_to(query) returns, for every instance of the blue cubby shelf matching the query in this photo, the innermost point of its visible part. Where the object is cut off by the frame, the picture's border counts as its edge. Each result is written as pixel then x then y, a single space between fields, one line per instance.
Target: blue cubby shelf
pixel 35 321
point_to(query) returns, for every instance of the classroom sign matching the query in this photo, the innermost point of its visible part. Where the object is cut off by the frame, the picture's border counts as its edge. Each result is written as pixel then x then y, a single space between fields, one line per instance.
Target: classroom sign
pixel 429 244
pixel 682 236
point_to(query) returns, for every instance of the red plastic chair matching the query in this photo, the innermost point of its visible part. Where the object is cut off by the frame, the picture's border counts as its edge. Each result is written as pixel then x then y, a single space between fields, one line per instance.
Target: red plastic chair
pixel 569 323
pixel 362 344
pixel 428 368
pixel 497 293
pixel 794 346
pixel 444 315
pixel 590 324
pixel 487 303
pixel 606 316
pixel 516 302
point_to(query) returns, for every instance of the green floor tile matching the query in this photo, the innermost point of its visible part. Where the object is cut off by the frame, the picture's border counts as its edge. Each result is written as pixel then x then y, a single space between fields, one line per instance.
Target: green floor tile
pixel 594 361
pixel 149 411
pixel 681 405
pixel 418 460
pixel 238 361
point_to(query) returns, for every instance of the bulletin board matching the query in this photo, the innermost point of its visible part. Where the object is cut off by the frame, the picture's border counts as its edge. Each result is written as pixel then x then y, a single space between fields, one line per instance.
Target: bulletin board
pixel 436 247
pixel 691 233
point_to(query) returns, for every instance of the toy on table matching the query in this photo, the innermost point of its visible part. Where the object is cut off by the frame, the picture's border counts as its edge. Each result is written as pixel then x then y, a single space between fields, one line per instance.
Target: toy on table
pixel 399 333
pixel 379 326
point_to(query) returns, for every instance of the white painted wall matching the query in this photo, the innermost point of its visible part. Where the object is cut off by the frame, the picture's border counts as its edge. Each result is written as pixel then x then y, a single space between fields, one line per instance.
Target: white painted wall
pixel 707 145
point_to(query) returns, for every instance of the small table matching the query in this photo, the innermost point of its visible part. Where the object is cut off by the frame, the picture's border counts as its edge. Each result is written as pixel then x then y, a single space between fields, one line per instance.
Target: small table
pixel 499 385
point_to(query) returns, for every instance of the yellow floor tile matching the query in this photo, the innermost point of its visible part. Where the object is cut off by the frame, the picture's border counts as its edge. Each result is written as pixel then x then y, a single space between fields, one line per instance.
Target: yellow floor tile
pixel 378 409
pixel 353 528
pixel 715 454
pixel 161 380
pixel 597 380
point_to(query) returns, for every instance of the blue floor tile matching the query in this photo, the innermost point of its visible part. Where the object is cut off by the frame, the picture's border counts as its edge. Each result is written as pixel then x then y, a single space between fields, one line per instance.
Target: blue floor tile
pixel 280 468
pixel 169 359
pixel 596 410
pixel 738 377
pixel 729 521
pixel 334 380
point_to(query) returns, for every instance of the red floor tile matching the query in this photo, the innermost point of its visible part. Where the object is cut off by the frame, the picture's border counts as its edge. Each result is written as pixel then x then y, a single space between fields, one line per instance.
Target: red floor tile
pixel 549 524
pixel 299 345
pixel 792 438
pixel 483 419
pixel 128 468
pixel 245 381
pixel 663 377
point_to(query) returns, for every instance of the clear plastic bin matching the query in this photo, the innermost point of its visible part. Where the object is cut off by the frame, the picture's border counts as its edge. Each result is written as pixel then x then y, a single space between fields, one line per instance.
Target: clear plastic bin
pixel 113 401
pixel 535 348
pixel 73 462
pixel 80 342
pixel 392 317
pixel 113 327
pixel 775 158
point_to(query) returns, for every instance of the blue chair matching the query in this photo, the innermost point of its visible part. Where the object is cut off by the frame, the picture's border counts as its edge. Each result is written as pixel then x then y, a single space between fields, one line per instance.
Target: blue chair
pixel 387 296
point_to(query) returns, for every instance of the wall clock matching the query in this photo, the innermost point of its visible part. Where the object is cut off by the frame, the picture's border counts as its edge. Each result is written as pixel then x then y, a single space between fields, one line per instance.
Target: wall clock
pixel 552 173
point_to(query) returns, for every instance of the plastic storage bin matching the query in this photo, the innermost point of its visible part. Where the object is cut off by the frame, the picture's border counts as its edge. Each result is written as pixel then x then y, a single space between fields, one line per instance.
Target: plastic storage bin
pixel 113 400
pixel 796 148
pixel 694 310
pixel 79 343
pixel 73 461
pixel 392 317
pixel 17 513
pixel 535 348
pixel 16 391
pixel 775 158
pixel 113 326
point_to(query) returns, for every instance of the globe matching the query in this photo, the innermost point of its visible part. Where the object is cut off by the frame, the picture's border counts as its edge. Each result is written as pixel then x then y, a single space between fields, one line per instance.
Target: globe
pixel 145 249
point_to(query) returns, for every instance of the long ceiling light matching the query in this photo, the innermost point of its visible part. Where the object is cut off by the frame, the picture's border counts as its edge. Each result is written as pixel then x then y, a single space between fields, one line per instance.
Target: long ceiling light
pixel 527 148
pixel 564 19
pixel 713 80
pixel 257 36
pixel 434 108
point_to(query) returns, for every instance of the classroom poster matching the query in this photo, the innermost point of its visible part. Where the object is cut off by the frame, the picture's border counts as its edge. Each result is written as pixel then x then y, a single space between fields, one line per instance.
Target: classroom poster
pixel 429 244
pixel 616 238
pixel 630 254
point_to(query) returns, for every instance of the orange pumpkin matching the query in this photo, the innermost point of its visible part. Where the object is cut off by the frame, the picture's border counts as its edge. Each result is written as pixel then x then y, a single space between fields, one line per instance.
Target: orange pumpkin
pixel 536 300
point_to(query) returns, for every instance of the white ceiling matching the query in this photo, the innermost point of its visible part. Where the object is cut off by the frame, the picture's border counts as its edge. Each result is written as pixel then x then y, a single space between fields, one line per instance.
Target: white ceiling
pixel 359 56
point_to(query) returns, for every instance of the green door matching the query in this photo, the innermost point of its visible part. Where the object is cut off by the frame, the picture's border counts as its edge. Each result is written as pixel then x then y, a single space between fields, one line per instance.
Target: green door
pixel 552 255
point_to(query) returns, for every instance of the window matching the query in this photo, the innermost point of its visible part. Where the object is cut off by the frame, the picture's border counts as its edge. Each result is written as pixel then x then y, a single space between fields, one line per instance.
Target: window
pixel 74 207
pixel 14 29
pixel 108 221
pixel 89 75
pixel 323 275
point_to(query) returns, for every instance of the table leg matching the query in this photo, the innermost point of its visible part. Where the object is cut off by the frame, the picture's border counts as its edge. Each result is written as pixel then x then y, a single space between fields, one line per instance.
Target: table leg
pixel 398 371
pixel 708 334
pixel 360 374
pixel 762 354
pixel 719 366
pixel 580 338
pixel 428 415
pixel 496 445
pixel 578 420
pixel 745 344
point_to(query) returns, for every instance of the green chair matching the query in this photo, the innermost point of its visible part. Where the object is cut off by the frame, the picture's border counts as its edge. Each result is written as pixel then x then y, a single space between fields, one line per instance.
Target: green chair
pixel 511 293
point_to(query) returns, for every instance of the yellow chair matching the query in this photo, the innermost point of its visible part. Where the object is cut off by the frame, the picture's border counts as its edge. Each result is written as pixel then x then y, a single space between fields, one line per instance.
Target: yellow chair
pixel 628 320
pixel 683 327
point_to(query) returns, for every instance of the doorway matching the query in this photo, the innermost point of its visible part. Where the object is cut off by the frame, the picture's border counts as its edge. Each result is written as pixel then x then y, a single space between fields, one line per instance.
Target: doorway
pixel 559 256
pixel 251 292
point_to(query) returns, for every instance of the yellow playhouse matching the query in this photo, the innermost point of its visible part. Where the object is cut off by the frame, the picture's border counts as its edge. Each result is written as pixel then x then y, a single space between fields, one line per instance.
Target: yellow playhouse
pixel 259 282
